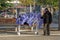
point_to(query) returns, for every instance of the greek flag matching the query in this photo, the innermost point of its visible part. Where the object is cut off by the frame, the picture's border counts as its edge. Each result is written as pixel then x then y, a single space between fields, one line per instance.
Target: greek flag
pixel 21 20
pixel 30 19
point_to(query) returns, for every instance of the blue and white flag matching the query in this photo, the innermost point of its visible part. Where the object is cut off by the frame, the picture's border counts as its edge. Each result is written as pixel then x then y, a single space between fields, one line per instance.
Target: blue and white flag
pixel 30 19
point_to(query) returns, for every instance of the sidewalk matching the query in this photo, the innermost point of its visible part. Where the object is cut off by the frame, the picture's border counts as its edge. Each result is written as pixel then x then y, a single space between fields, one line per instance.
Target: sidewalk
pixel 31 37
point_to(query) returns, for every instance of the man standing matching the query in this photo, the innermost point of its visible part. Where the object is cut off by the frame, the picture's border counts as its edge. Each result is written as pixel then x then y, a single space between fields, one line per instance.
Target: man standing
pixel 47 19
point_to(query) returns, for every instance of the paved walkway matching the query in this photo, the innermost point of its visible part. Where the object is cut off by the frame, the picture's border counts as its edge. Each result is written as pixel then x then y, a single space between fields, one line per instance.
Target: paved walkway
pixel 54 36
pixel 31 38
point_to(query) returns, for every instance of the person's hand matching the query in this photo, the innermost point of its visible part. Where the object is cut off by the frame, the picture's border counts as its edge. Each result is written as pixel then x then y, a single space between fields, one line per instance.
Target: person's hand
pixel 41 17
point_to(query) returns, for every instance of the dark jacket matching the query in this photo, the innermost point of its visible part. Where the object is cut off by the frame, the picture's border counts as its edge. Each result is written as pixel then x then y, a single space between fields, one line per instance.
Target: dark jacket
pixel 47 17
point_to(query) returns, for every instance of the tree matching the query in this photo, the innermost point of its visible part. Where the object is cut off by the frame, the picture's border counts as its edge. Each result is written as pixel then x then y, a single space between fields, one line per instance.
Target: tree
pixel 4 5
pixel 47 2
pixel 26 2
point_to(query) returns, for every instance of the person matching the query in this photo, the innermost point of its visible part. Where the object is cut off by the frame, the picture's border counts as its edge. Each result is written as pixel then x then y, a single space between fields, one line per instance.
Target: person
pixel 47 20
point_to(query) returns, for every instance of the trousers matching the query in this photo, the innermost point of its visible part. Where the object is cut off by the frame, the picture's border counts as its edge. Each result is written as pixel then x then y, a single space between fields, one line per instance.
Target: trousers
pixel 46 29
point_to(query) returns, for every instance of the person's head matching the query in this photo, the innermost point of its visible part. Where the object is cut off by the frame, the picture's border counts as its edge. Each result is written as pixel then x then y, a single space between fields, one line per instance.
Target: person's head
pixel 46 9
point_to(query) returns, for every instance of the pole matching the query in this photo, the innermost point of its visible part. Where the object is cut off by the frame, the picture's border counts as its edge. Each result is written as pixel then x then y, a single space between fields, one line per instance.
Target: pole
pixel 16 8
pixel 34 4
pixel 18 32
pixel 30 8
pixel 59 16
